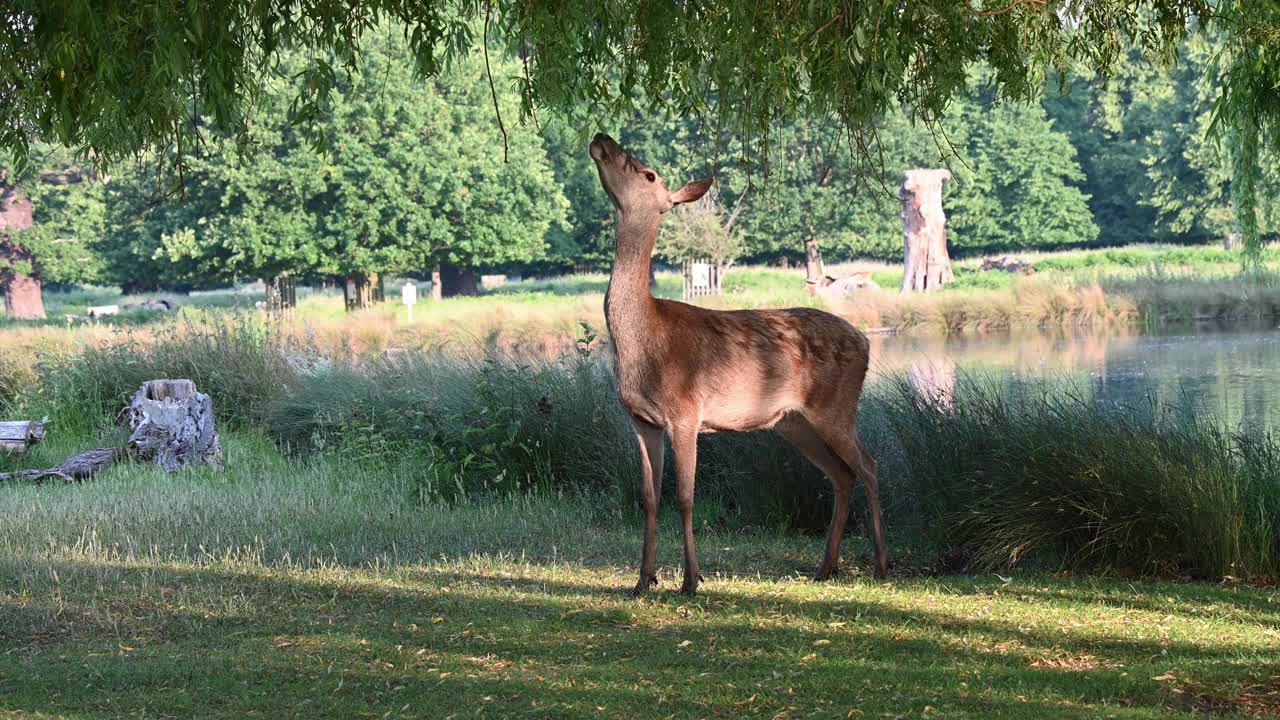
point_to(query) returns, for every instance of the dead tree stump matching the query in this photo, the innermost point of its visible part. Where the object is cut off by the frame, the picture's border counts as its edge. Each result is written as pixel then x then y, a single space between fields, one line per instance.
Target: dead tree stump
pixel 172 426
pixel 926 263
pixel 813 270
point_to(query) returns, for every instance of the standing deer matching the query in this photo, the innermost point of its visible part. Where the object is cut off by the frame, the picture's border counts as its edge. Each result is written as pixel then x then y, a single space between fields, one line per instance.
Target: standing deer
pixel 683 370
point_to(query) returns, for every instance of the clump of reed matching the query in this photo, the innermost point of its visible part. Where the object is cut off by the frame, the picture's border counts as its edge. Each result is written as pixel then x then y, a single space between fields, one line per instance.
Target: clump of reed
pixel 1018 471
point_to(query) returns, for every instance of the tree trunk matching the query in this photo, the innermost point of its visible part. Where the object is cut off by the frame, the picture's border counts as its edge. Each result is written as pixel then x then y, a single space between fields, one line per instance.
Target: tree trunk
pixel 653 278
pixel 457 281
pixel 437 286
pixel 926 263
pixel 22 298
pixel 361 290
pixel 282 293
pixel 173 426
pixel 813 270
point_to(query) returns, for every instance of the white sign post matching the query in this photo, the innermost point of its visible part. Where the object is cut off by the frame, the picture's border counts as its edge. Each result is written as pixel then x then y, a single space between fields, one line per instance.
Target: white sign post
pixel 701 275
pixel 409 295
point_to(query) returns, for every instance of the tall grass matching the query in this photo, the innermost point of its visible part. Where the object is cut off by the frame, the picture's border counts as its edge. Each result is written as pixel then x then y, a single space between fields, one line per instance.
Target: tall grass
pixel 241 362
pixel 1032 471
pixel 465 426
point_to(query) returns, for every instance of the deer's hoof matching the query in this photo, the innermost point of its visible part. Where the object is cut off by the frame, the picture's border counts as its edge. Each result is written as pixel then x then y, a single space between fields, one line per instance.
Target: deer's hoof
pixel 690 585
pixel 643 584
pixel 825 573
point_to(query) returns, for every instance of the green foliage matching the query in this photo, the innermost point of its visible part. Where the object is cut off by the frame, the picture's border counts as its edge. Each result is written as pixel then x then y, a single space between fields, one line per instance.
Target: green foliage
pixel 116 80
pixel 410 179
pixel 68 221
pixel 704 228
pixel 1018 188
pixel 1015 186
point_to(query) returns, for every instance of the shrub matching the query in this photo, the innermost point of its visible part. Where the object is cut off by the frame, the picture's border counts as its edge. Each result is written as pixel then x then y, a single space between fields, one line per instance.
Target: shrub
pixel 468 425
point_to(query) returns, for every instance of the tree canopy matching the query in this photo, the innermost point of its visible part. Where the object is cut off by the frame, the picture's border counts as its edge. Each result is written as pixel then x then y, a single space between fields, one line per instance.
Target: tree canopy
pixel 116 78
pixel 410 180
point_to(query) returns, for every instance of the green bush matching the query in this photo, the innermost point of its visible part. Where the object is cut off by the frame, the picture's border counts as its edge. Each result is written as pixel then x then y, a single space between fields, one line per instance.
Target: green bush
pixel 1031 470
pixel 467 426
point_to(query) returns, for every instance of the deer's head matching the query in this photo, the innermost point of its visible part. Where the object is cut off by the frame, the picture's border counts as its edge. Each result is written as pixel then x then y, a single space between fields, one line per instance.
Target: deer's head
pixel 632 185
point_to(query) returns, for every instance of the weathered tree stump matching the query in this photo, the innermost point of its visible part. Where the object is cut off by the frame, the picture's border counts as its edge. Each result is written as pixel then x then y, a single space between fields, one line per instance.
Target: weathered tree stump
pixel 927 265
pixel 813 270
pixel 172 426
pixel 22 299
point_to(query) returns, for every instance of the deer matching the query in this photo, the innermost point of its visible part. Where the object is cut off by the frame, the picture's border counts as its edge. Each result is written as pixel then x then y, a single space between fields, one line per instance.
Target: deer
pixel 682 370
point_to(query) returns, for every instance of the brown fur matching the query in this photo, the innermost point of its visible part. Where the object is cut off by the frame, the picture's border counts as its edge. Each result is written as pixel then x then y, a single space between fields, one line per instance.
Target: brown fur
pixel 683 370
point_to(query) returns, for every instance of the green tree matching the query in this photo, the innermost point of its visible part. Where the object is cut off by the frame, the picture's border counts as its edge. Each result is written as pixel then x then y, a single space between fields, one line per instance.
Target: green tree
pixel 423 176
pixel 1019 188
pixel 411 180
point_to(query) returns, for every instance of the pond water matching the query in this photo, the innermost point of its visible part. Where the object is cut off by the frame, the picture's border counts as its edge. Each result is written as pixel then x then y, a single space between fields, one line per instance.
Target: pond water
pixel 1232 373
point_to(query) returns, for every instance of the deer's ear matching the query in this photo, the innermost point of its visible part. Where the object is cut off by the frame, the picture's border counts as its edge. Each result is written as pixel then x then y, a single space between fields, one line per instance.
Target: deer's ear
pixel 691 191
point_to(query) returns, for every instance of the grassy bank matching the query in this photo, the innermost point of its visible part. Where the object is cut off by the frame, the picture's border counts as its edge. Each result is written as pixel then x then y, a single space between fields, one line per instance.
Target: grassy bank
pixel 1002 475
pixel 287 588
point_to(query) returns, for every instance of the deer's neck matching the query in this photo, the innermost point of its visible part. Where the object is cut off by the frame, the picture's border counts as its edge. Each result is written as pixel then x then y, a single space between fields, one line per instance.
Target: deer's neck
pixel 628 304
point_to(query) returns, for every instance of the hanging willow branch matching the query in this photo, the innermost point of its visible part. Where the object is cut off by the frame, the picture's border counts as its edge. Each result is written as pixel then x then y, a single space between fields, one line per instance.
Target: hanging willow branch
pixel 493 92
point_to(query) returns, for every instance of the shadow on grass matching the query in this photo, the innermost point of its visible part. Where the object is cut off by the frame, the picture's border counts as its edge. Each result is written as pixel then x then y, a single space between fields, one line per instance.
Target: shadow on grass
pixel 115 640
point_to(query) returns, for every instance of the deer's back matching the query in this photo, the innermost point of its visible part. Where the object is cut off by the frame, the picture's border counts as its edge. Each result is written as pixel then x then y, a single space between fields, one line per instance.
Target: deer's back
pixel 742 369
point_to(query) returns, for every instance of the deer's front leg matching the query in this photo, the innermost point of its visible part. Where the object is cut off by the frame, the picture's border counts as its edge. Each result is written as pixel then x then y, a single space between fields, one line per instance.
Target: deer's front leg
pixel 650 440
pixel 684 445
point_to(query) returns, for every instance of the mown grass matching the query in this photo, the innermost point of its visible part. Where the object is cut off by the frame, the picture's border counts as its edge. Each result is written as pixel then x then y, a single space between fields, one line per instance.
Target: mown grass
pixel 313 589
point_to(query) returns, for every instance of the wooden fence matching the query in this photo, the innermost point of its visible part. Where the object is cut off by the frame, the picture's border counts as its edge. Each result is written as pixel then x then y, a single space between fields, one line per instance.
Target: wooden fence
pixel 701 277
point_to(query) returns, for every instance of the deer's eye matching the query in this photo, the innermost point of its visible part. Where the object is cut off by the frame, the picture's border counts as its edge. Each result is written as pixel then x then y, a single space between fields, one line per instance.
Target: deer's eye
pixel 650 176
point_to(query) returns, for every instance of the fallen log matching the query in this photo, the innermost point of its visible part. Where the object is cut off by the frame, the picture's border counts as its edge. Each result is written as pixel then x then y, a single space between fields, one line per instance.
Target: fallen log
pixel 840 287
pixel 18 435
pixel 77 467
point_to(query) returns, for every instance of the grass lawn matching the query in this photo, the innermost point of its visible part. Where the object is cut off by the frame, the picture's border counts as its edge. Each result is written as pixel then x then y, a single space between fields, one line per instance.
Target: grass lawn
pixel 310 589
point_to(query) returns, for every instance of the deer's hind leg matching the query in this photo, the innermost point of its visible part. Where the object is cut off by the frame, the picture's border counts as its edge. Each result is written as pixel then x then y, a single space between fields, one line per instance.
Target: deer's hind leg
pixel 842 438
pixel 797 430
